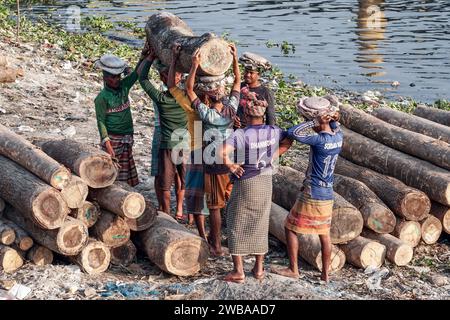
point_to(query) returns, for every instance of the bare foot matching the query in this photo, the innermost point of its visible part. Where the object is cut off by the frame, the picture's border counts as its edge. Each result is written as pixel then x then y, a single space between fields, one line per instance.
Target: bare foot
pixel 234 277
pixel 286 272
pixel 216 252
pixel 259 275
pixel 325 277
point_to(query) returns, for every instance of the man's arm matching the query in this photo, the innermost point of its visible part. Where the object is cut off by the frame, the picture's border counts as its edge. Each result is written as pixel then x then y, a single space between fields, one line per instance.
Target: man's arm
pixel 270 114
pixel 190 81
pixel 100 112
pixel 155 94
pixel 300 132
pixel 226 149
pixel 236 71
pixel 176 48
pixel 210 115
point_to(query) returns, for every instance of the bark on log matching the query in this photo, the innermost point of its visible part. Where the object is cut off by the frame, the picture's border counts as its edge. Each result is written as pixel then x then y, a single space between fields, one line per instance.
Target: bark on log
pixel 173 248
pixel 88 213
pixel 408 231
pixel 111 229
pixel 398 252
pixel 31 196
pixel 146 220
pixel 362 252
pixel 413 123
pixel 10 259
pixel 123 255
pixel 431 150
pixel 75 193
pixel 404 201
pixel 22 240
pixel 2 205
pixel 94 258
pixel 94 166
pixel 164 29
pixel 432 180
pixel 7 234
pixel 431 229
pixel 309 244
pixel 40 255
pixel 346 222
pixel 443 214
pixel 33 159
pixel 433 114
pixel 119 201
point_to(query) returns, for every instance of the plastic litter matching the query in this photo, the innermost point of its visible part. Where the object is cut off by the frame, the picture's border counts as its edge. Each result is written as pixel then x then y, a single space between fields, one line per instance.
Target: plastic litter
pixel 19 291
pixel 128 290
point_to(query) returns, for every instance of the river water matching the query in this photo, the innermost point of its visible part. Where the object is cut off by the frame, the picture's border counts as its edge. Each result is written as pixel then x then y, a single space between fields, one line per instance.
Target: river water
pixel 356 45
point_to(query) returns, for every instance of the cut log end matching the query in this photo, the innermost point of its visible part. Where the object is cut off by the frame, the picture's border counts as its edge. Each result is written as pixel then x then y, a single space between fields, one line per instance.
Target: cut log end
pixel 98 171
pixel 94 258
pixel 348 224
pixel 184 258
pixel 75 193
pixel 403 255
pixel 216 57
pixel 123 255
pixel 50 209
pixel 409 232
pixel 416 206
pixel 134 205
pixel 40 255
pixel 88 213
pixel 25 243
pixel 145 221
pixel 61 178
pixel 431 229
pixel 72 236
pixel 381 219
pixel 111 229
pixel 10 259
pixel 7 236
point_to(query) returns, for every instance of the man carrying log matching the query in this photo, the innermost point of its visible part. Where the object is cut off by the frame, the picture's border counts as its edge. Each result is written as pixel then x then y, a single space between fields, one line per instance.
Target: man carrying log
pixel 311 213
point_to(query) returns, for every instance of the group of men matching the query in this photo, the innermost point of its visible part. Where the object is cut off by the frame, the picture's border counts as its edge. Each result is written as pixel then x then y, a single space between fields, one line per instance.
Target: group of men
pixel 219 149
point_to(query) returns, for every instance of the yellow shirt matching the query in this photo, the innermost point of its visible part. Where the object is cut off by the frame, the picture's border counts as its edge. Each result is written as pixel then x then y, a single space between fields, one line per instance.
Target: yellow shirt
pixel 192 116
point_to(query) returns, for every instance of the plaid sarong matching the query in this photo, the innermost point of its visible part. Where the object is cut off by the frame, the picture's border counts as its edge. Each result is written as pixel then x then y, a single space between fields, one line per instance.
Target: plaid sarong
pixel 247 215
pixel 122 145
pixel 309 216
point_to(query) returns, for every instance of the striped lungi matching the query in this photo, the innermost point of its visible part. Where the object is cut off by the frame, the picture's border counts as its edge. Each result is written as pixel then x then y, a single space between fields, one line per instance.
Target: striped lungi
pixel 248 213
pixel 195 186
pixel 309 216
pixel 123 148
pixel 155 151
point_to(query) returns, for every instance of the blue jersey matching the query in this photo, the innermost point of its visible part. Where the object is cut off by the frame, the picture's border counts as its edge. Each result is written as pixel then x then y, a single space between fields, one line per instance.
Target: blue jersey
pixel 324 151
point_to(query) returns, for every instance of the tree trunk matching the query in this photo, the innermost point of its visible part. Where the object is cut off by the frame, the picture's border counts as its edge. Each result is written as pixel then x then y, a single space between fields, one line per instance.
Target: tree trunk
pixel 408 231
pixel 164 29
pixel 310 248
pixel 119 201
pixel 173 248
pixel 146 220
pixel 94 258
pixel 40 255
pixel 10 259
pixel 111 229
pixel 123 255
pixel 2 205
pixel 398 252
pixel 433 114
pixel 362 252
pixel 22 240
pixel 404 201
pixel 33 159
pixel 431 150
pixel 347 221
pixel 431 229
pixel 413 123
pixel 68 240
pixel 443 214
pixel 93 166
pixel 31 196
pixel 75 193
pixel 7 234
pixel 88 213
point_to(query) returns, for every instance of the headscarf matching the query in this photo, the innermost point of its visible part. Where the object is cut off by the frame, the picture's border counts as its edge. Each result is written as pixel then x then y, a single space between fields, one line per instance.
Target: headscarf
pixel 253 104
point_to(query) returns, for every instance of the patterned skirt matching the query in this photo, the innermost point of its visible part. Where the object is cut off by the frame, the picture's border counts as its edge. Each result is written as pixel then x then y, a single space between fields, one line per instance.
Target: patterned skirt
pixel 247 215
pixel 195 187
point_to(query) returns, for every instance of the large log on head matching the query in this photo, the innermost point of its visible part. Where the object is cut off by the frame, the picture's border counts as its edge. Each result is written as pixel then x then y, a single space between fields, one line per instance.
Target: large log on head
pixel 413 123
pixel 33 159
pixel 111 229
pixel 408 231
pixel 10 259
pixel 431 150
pixel 309 244
pixel 398 252
pixel 432 180
pixel 31 196
pixel 88 213
pixel 94 258
pixel 40 255
pixel 431 229
pixel 7 234
pixel 22 240
pixel 94 166
pixel 173 248
pixel 163 29
pixel 443 214
pixel 123 255
pixel 362 252
pixel 119 201
pixel 68 240
pixel 75 193
pixel 346 222
pixel 404 201
pixel 433 114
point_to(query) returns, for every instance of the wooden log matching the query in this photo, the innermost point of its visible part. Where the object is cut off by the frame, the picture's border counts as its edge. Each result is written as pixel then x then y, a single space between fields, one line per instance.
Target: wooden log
pixel 94 258
pixel 443 214
pixel 119 201
pixel 31 196
pixel 309 244
pixel 93 166
pixel 433 114
pixel 164 29
pixel 362 252
pixel 431 150
pixel 23 152
pixel 398 252
pixel 123 255
pixel 408 231
pixel 111 229
pixel 40 255
pixel 173 248
pixel 88 213
pixel 75 193
pixel 416 173
pixel 22 240
pixel 10 259
pixel 7 234
pixel 68 240
pixel 146 220
pixel 404 201
pixel 2 205
pixel 346 222
pixel 413 123
pixel 431 229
